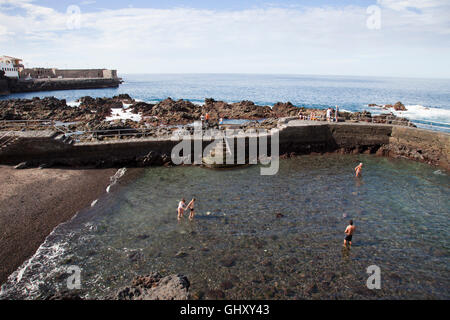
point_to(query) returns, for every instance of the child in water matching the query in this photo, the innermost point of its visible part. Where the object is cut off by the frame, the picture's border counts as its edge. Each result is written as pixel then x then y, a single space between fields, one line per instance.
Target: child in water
pixel 358 169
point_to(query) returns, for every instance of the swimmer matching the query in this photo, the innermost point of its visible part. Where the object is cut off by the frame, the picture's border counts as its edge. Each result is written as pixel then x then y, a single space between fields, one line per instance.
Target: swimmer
pixel 181 208
pixel 358 169
pixel 190 206
pixel 349 234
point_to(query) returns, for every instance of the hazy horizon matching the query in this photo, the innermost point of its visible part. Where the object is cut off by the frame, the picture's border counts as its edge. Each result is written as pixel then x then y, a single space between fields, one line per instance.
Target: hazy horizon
pixel 278 74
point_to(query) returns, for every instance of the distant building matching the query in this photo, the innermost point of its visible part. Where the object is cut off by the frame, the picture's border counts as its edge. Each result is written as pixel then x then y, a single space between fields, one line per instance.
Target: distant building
pixel 11 66
pixel 45 73
pixel 14 68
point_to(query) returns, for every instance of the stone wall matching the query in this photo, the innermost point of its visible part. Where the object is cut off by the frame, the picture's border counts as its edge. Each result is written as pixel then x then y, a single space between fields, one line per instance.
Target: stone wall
pixel 62 84
pixel 416 144
pixel 41 73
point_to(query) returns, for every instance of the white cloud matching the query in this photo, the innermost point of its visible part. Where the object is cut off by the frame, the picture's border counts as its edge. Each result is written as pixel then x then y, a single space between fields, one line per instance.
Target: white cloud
pixel 321 40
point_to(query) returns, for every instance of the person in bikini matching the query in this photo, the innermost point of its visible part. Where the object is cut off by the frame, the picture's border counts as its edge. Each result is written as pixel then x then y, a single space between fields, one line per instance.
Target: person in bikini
pixel 190 206
pixel 349 234
pixel 358 169
pixel 181 208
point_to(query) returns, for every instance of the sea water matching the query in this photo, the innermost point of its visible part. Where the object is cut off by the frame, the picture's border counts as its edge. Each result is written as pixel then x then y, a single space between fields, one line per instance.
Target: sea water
pixel 260 237
pixel 427 100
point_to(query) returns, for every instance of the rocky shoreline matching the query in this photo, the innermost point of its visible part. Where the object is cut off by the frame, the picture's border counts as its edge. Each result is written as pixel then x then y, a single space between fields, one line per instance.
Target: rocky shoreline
pixel 91 114
pixel 91 133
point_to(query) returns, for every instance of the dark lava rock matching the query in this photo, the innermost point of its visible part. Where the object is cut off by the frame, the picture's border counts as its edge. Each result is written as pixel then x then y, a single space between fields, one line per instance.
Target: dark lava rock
pixel 225 285
pixel 135 256
pixel 398 106
pixel 198 295
pixel 156 287
pixel 311 289
pixel 329 276
pixel 215 294
pixel 142 236
pixel 287 109
pixel 228 261
pixel 65 295
pixel 266 263
pixel 292 260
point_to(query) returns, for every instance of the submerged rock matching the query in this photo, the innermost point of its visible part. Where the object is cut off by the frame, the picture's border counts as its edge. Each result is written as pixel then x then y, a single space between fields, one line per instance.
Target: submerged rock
pixel 215 294
pixel 156 287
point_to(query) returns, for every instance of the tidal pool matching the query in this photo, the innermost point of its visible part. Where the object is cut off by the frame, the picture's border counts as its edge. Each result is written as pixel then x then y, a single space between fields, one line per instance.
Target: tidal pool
pixel 260 237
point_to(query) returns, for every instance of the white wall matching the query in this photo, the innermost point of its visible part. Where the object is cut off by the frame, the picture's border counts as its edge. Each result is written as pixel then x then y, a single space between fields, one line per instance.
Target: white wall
pixel 10 70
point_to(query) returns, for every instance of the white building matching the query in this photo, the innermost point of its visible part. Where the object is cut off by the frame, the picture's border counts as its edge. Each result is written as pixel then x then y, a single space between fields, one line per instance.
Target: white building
pixel 11 66
pixel 10 70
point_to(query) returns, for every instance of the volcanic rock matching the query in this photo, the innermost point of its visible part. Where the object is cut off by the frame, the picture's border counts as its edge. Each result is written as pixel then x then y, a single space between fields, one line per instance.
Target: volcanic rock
pixel 156 287
pixel 398 106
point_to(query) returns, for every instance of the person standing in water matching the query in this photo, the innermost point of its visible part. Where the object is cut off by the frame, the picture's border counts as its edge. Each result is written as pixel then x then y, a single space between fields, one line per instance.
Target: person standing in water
pixel 190 206
pixel 181 208
pixel 349 234
pixel 358 169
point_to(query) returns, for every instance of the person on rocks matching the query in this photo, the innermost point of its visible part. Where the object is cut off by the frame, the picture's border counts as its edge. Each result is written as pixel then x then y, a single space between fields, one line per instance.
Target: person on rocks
pixel 336 114
pixel 190 206
pixel 202 119
pixel 349 234
pixel 358 169
pixel 181 208
pixel 207 120
pixel 329 114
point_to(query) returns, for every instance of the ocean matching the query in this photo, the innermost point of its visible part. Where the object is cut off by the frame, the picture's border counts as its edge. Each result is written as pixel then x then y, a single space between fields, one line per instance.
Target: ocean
pixel 427 100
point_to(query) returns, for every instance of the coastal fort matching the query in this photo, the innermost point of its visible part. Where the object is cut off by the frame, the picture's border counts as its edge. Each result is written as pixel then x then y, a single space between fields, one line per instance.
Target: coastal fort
pixel 15 78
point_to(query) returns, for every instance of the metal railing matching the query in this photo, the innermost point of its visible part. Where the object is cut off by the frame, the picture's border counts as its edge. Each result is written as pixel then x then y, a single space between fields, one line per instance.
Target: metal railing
pixel 112 133
pixel 6 139
pixel 26 124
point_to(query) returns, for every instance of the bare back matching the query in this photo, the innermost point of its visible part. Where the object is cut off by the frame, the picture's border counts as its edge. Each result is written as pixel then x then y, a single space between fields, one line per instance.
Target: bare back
pixel 349 230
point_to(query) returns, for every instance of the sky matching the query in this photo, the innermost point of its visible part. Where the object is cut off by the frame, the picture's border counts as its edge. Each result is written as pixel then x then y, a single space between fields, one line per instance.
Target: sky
pixel 399 38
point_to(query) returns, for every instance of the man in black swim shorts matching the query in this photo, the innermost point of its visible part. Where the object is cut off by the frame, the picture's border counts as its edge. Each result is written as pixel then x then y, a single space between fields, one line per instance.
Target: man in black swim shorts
pixel 349 233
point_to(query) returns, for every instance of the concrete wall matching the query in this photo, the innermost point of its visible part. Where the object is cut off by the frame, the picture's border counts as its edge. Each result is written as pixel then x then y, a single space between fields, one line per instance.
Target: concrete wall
pixel 40 73
pixel 421 145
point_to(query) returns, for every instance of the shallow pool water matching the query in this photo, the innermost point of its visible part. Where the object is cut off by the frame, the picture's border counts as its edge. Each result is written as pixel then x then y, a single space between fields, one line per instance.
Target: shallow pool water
pixel 260 237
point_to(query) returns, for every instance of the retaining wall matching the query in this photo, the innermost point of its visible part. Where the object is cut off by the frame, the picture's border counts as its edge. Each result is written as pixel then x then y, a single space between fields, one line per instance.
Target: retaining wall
pixel 417 144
